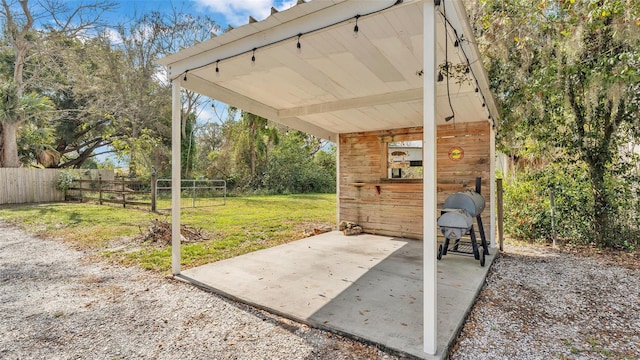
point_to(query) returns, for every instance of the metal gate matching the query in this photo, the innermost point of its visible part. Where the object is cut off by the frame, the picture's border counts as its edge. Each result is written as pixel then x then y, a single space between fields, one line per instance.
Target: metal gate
pixel 193 193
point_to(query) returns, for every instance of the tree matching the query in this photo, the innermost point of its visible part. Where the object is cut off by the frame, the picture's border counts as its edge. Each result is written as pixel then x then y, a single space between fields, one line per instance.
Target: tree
pixel 143 93
pixel 252 138
pixel 567 79
pixel 22 39
pixel 296 166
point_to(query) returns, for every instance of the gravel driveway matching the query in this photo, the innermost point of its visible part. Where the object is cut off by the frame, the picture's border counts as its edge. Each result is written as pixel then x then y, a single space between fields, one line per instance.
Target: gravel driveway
pixel 58 303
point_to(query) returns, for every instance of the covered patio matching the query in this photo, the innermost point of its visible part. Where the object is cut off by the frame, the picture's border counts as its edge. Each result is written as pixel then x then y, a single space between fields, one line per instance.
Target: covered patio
pixel 367 287
pixel 369 76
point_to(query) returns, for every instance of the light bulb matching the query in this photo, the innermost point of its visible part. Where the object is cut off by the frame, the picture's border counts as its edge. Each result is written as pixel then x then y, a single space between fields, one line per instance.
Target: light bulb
pixel 356 29
pixel 253 58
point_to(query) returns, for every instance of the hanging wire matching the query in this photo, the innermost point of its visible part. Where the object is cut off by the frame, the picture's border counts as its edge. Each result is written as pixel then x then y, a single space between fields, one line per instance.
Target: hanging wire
pixel 446 67
pixel 469 69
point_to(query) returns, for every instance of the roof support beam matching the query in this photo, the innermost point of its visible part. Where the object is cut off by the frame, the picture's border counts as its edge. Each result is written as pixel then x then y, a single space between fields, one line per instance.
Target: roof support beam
pixel 214 91
pixel 355 103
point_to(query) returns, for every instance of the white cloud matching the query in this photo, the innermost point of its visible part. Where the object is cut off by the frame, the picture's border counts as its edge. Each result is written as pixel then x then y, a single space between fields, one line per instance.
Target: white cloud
pixel 237 12
pixel 113 35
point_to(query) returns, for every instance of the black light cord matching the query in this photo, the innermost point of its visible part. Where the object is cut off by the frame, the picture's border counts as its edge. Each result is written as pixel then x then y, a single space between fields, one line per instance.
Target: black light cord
pixel 295 36
pixel 460 41
pixel 446 66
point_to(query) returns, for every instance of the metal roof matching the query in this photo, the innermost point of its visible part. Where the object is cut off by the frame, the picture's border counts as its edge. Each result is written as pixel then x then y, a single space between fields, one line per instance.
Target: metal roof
pixel 337 82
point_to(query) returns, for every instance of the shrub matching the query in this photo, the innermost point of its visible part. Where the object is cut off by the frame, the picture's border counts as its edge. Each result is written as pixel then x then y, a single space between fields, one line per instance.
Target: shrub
pixel 66 179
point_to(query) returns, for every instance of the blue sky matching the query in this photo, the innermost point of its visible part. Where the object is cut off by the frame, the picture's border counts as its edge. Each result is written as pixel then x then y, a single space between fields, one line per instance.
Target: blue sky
pixel 225 12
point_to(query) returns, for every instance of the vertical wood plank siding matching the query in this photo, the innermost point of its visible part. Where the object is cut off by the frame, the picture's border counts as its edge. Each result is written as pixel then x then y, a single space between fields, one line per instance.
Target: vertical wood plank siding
pixel 394 208
pixel 24 185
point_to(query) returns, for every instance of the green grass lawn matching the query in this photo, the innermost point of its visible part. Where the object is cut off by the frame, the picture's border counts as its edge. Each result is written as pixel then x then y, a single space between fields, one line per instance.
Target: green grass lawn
pixel 243 225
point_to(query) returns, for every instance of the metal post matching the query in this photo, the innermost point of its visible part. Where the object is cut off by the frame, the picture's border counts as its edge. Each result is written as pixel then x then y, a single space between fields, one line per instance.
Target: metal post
pixel 430 284
pixel 100 189
pixel 499 194
pixel 154 180
pixel 552 205
pixel 224 202
pixel 193 193
pixel 124 198
pixel 175 176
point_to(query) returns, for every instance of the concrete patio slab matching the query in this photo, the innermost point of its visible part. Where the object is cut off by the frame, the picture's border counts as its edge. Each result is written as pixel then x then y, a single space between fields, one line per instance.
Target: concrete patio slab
pixel 366 287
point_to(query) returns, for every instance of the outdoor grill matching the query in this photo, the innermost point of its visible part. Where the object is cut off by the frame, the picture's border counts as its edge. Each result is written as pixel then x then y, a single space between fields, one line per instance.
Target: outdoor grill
pixel 456 222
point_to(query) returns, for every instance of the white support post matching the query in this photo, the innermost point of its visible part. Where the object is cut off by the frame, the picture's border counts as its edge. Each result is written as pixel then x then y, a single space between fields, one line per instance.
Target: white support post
pixel 338 179
pixel 430 204
pixel 175 176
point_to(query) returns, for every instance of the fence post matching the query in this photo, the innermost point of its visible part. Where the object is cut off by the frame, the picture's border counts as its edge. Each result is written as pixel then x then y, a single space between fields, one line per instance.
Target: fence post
pixel 81 195
pixel 154 179
pixel 124 198
pixel 193 194
pixel 499 200
pixel 100 189
pixel 552 205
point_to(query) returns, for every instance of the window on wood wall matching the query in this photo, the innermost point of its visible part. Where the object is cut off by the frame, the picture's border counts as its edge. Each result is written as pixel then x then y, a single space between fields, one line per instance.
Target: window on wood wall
pixel 404 159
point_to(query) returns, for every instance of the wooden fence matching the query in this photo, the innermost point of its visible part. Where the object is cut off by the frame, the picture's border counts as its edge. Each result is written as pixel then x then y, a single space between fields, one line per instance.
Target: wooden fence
pixel 125 192
pixel 24 185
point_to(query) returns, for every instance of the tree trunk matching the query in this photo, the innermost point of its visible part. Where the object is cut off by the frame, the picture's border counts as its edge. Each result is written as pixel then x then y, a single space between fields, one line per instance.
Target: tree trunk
pixel 10 145
pixel 602 206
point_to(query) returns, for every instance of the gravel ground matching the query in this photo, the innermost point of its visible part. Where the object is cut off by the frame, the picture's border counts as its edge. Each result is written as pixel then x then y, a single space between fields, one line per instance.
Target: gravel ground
pixel 539 303
pixel 58 303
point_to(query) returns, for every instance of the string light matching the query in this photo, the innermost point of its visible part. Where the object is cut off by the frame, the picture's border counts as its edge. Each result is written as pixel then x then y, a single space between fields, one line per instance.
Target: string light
pixel 253 57
pixel 217 68
pixel 298 45
pixel 185 75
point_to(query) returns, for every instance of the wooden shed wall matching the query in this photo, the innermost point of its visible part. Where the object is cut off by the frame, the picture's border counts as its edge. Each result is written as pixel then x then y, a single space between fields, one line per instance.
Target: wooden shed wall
pixel 394 207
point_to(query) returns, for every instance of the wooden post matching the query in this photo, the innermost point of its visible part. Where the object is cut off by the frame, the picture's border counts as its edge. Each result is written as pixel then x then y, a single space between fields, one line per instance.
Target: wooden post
pixel 499 190
pixel 100 189
pixel 124 198
pixel 154 179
